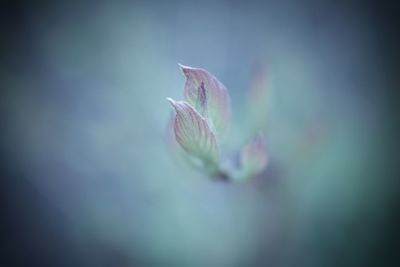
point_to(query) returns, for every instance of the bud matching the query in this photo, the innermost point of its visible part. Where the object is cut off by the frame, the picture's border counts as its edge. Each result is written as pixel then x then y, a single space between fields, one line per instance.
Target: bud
pixel 200 121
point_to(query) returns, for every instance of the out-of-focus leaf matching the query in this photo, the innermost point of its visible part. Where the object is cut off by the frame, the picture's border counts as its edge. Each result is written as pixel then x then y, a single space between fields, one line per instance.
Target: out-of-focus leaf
pixel 253 157
pixel 259 98
pixel 208 96
pixel 193 133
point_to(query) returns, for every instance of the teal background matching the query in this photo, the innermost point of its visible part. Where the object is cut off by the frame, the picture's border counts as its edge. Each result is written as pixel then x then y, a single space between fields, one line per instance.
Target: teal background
pixel 91 179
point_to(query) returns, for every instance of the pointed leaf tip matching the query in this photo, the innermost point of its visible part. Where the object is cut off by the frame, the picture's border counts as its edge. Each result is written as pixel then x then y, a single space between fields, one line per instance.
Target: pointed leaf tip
pixel 171 101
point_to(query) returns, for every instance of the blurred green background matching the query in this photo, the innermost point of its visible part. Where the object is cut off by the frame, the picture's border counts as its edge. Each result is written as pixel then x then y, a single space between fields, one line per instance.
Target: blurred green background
pixel 92 180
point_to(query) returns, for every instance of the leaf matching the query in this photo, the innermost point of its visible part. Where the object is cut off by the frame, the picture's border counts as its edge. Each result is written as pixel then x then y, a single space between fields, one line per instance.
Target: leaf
pixel 208 96
pixel 259 97
pixel 193 133
pixel 253 157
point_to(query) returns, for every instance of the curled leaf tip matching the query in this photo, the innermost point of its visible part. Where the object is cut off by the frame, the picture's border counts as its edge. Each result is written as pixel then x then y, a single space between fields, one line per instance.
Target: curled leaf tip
pixel 184 69
pixel 172 102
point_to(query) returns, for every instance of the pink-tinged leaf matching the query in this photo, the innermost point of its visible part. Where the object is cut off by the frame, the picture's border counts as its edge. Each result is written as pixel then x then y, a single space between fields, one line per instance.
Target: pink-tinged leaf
pixel 193 133
pixel 208 96
pixel 258 83
pixel 259 97
pixel 254 157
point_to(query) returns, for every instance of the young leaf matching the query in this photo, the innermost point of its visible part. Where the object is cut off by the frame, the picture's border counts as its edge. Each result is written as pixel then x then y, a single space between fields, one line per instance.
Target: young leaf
pixel 253 157
pixel 193 133
pixel 208 96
